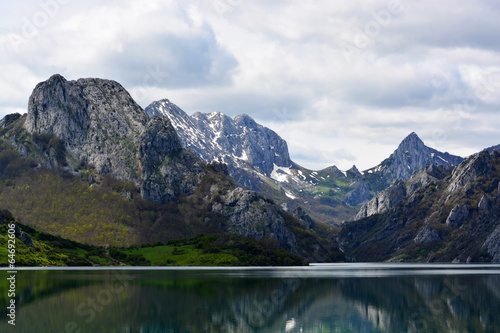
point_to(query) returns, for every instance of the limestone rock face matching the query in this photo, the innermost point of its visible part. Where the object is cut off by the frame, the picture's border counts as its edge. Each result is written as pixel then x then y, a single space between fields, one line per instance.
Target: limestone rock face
pixel 476 166
pixel 97 120
pixel 483 203
pixel 250 215
pixel 427 235
pixel 167 170
pixel 492 245
pixel 457 216
pixel 239 142
pixel 99 124
pixel 385 200
pixel 360 193
pixel 399 190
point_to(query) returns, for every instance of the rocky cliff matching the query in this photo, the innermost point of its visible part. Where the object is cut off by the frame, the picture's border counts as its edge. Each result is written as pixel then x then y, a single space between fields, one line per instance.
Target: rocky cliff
pixel 399 189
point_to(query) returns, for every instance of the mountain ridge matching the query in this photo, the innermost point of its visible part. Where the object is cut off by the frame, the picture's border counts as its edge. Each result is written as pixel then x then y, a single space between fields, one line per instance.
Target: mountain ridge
pixel 214 136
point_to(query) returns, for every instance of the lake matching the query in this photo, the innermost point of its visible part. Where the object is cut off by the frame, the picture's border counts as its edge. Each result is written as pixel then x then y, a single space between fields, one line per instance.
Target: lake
pixel 318 298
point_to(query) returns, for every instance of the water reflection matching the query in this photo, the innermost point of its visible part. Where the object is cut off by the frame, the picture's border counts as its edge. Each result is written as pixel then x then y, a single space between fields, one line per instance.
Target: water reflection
pixel 314 299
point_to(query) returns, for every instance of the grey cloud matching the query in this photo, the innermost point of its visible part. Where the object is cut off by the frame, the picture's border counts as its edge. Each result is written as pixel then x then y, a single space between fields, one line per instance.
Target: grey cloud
pixel 170 61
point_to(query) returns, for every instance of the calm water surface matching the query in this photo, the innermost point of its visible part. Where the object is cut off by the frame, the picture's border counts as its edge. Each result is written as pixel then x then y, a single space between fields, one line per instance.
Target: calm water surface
pixel 319 298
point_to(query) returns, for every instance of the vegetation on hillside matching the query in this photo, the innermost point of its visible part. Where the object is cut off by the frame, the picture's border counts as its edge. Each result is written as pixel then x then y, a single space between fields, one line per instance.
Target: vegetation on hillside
pixel 202 250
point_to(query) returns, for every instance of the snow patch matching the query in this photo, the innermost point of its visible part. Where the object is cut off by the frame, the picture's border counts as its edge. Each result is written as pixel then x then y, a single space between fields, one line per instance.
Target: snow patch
pixel 290 325
pixel 280 174
pixel 445 161
pixel 290 195
pixel 344 172
pixel 243 156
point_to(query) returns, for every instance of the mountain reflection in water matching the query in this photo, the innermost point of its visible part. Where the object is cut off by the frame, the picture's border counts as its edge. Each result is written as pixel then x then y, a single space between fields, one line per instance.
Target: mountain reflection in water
pixel 324 298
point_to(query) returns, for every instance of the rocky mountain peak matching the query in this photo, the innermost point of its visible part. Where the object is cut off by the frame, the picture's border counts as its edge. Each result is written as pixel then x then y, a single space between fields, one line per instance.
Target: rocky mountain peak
pixel 100 125
pixel 245 120
pixel 412 154
pixel 240 142
pixel 84 114
pixel 411 143
pixel 354 170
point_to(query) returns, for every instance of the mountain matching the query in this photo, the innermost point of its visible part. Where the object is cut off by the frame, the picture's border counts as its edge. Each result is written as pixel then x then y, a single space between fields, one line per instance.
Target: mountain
pixel 89 143
pixel 412 154
pixel 100 125
pixel 443 214
pixel 411 157
pixel 241 143
pixel 258 159
pixel 493 148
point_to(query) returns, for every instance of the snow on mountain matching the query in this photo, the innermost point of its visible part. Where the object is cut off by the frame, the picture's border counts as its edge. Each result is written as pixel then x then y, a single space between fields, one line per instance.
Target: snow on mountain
pixel 239 142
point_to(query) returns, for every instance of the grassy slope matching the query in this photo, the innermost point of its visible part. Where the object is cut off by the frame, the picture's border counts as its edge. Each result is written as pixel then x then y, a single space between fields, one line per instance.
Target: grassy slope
pixel 202 250
pixel 49 250
pixel 217 250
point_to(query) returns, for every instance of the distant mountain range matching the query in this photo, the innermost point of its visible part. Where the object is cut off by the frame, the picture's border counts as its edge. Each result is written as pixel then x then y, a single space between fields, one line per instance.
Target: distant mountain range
pixel 88 164
pixel 258 159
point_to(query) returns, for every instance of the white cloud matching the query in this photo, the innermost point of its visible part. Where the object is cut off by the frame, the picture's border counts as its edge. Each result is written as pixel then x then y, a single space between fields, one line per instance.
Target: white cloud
pixel 420 67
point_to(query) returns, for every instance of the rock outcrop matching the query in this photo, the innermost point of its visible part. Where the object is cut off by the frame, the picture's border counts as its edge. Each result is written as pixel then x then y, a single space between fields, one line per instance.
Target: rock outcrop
pixel 385 200
pixel 360 193
pixel 457 216
pixel 399 189
pixel 427 235
pixel 492 245
pixel 484 203
pixel 476 166
pixel 251 215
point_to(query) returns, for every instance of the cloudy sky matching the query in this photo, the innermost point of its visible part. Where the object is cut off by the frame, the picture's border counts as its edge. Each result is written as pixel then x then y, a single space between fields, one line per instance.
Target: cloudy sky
pixel 342 81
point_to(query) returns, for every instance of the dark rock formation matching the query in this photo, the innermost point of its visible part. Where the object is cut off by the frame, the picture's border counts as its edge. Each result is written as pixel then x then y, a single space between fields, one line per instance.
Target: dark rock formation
pixel 360 193
pixel 484 203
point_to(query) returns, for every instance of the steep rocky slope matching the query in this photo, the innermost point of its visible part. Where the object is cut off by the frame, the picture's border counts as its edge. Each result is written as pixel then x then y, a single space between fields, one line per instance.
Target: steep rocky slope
pixel 92 128
pixel 439 214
